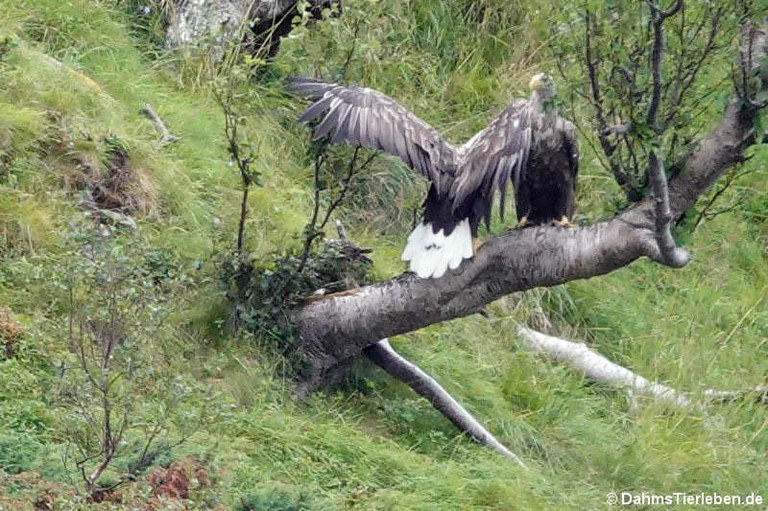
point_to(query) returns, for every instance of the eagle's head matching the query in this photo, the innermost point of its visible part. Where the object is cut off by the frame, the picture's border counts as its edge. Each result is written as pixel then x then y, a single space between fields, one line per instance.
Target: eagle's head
pixel 542 85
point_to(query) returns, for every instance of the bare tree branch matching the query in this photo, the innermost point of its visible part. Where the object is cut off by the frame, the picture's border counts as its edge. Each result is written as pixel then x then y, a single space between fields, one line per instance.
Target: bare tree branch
pixel 686 73
pixel 616 129
pixel 165 135
pixel 603 131
pixel 657 20
pixel 671 254
pixel 594 366
pixel 383 355
pixel 705 213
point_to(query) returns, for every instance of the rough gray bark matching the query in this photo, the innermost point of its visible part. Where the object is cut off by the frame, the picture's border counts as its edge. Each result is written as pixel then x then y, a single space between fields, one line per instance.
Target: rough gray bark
pixel 216 23
pixel 336 328
pixel 195 22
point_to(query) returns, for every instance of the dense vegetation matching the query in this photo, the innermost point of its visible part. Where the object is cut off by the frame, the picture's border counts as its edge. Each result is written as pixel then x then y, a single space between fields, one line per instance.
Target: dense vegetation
pixel 218 404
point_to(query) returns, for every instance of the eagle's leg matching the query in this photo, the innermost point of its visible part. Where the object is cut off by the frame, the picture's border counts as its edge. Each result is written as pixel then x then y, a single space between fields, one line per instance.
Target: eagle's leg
pixel 563 222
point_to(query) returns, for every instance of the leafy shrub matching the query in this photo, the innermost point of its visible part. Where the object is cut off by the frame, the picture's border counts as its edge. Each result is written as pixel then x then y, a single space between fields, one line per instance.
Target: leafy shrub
pixel 117 291
pixel 265 293
pixel 18 452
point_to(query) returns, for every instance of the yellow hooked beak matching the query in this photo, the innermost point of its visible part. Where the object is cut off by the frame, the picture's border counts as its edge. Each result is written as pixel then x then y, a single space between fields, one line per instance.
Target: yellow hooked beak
pixel 540 81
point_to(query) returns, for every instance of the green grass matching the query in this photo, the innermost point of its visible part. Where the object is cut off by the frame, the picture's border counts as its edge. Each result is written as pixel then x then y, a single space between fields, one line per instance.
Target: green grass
pixel 371 443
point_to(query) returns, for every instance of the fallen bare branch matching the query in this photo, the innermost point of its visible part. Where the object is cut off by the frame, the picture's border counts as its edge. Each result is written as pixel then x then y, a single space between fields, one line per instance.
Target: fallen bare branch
pixel 384 356
pixel 724 396
pixel 398 367
pixel 594 366
pixel 165 135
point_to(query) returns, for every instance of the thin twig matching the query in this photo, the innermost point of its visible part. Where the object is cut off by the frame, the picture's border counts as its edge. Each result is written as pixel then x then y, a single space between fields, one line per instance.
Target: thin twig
pixel 705 214
pixel 243 162
pixel 351 51
pixel 310 234
pixel 313 230
pixel 686 76
pixel 594 83
pixel 352 172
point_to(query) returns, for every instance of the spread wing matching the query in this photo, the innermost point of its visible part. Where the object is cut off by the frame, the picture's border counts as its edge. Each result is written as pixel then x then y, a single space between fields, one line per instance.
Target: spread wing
pixel 493 157
pixel 374 120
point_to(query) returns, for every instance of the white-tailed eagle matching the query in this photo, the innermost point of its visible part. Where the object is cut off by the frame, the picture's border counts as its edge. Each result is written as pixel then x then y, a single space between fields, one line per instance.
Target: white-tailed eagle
pixel 528 144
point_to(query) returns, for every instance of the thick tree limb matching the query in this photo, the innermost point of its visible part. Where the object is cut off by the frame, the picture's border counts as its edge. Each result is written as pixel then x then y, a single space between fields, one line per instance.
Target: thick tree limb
pixel 718 151
pixel 383 355
pixel 338 327
pixel 594 366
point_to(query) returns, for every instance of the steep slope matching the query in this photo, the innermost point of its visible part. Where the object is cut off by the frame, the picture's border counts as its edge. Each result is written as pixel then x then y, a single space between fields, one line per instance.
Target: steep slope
pixel 73 77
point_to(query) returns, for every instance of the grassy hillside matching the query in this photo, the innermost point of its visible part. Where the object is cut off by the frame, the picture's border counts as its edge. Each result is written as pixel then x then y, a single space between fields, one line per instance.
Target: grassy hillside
pixel 73 77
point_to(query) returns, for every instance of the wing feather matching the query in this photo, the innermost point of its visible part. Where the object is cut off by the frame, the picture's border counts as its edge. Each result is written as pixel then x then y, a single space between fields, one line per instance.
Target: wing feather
pixel 493 157
pixel 372 119
pixel 317 109
pixel 330 122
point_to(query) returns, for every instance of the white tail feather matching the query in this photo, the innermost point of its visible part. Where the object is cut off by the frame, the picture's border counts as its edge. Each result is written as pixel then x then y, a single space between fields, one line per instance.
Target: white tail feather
pixel 431 253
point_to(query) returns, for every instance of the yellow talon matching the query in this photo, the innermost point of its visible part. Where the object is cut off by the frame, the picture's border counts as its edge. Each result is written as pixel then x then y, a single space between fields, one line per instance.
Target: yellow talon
pixel 564 222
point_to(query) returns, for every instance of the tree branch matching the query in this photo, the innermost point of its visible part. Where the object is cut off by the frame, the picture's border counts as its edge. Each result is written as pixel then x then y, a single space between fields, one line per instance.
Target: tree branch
pixel 671 254
pixel 165 135
pixel 598 368
pixel 657 21
pixel 383 355
pixel 398 367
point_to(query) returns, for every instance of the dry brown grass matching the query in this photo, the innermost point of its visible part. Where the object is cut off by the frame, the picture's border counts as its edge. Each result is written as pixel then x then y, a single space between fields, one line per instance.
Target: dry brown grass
pixel 11 332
